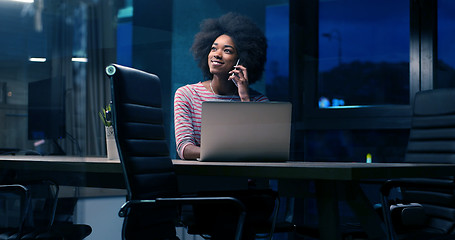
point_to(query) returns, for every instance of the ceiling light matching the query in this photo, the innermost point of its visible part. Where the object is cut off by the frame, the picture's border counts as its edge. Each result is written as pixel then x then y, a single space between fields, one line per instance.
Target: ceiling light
pixel 25 1
pixel 75 59
pixel 36 59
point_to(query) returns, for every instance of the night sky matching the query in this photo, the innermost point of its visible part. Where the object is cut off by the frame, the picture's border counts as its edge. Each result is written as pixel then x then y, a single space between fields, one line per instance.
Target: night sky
pixel 370 31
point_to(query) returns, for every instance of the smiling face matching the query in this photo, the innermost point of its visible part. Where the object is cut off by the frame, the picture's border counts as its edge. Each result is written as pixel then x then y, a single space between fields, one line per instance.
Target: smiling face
pixel 223 55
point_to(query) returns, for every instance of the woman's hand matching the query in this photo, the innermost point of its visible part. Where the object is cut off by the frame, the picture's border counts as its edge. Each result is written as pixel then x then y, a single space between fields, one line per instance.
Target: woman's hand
pixel 191 152
pixel 240 76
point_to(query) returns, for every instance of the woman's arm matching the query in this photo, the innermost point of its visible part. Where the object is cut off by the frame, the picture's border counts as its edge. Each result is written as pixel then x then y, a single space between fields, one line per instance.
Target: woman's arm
pixel 184 138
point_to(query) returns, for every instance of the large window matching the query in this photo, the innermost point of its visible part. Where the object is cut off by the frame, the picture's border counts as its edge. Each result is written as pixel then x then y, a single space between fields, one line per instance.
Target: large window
pixel 445 74
pixel 354 67
pixel 353 64
pixel 363 53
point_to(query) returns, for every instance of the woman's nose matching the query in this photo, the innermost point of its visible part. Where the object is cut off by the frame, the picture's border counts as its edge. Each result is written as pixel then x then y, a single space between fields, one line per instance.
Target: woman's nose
pixel 217 54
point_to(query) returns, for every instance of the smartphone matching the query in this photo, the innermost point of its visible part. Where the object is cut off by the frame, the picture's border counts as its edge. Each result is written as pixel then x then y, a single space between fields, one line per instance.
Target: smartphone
pixel 238 60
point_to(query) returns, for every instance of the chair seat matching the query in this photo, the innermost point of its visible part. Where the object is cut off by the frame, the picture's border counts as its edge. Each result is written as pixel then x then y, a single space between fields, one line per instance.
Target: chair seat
pixel 349 231
pixel 72 231
pixel 280 227
pixel 6 234
pixel 425 235
pixel 259 202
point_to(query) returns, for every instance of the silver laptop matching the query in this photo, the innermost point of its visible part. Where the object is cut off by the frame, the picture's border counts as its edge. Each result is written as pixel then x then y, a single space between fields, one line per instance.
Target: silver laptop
pixel 245 131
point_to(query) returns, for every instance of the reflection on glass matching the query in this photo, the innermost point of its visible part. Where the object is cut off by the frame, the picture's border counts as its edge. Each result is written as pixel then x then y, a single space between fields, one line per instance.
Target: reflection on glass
pixel 67 44
pixel 363 53
pixel 445 74
pixel 52 53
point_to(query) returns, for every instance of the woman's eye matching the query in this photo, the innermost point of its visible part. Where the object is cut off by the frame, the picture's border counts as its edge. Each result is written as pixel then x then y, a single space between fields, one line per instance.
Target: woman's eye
pixel 227 51
pixel 213 49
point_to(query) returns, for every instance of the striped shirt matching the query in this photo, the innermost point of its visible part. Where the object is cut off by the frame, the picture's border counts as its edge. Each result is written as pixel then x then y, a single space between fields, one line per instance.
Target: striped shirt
pixel 188 108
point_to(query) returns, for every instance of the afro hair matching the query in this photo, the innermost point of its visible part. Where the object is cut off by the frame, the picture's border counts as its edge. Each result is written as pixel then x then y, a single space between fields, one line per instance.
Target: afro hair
pixel 249 40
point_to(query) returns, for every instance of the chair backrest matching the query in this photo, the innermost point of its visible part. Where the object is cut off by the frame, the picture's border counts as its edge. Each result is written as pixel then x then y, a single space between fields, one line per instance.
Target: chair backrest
pixel 139 130
pixel 142 146
pixel 432 135
pixel 44 197
pixel 432 140
pixel 14 207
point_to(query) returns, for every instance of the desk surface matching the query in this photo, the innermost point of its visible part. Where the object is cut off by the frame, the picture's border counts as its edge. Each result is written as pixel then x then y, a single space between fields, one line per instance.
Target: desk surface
pixel 61 163
pixel 66 170
pixel 314 170
pixel 97 167
pixel 101 172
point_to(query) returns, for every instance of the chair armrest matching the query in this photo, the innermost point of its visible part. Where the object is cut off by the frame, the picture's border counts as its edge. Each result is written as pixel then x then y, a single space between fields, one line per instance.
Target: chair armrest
pixel 44 188
pixel 14 188
pixel 394 183
pixel 423 183
pixel 192 200
pixel 185 200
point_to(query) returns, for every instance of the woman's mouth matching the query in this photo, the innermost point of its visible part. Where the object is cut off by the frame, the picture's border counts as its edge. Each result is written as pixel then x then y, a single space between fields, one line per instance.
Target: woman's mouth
pixel 214 62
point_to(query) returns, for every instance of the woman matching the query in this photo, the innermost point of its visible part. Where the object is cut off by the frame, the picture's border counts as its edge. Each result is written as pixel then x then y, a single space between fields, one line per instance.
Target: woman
pixel 231 52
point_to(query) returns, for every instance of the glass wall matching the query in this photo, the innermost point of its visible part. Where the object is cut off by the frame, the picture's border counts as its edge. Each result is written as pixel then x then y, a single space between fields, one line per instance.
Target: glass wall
pixel 52 56
pixel 350 55
pixel 52 81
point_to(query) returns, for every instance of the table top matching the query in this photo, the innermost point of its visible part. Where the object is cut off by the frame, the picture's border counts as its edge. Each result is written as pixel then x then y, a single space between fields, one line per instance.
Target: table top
pixel 66 170
pixel 277 170
pixel 61 163
pixel 105 173
pixel 314 170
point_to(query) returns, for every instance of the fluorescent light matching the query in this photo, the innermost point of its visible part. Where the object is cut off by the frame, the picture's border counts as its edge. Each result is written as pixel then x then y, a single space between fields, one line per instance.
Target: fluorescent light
pixel 36 59
pixel 25 1
pixel 75 59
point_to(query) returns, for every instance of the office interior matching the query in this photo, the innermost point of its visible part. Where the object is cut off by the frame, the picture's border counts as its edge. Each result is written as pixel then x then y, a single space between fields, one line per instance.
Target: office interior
pixel 350 68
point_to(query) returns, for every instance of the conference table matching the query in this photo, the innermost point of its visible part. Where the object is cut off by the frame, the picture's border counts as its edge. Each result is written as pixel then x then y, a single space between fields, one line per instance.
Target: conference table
pixel 333 180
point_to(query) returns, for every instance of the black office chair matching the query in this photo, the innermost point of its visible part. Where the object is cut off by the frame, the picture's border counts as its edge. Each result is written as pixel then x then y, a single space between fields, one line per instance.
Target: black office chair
pixel 153 204
pixel 33 206
pixel 14 203
pixel 425 208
